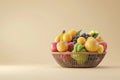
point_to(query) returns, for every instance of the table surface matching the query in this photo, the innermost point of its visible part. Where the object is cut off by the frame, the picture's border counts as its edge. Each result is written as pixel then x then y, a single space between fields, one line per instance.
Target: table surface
pixel 55 72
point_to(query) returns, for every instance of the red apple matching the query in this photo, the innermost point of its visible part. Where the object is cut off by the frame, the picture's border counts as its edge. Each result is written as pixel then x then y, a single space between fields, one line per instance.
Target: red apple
pixel 70 46
pixel 104 44
pixel 54 47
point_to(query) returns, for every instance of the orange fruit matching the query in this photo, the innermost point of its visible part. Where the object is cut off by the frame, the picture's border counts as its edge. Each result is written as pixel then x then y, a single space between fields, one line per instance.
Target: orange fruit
pixel 81 40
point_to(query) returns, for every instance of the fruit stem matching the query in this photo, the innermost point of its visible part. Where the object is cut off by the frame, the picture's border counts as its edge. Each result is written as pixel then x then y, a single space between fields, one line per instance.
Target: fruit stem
pixel 63 31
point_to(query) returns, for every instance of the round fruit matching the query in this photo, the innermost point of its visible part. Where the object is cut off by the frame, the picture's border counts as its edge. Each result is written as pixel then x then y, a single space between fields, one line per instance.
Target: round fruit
pixel 70 46
pixel 62 46
pixel 104 44
pixel 100 49
pixel 75 47
pixel 78 47
pixel 67 37
pixel 85 35
pixel 74 40
pixel 91 44
pixel 54 47
pixel 81 40
pixel 72 32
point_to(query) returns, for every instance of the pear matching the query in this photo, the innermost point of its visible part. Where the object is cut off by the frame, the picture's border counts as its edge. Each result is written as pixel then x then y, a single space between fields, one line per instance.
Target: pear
pixel 91 44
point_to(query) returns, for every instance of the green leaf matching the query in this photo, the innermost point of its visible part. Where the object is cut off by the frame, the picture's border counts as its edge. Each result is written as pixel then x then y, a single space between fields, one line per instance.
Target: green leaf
pixel 95 35
pixel 78 33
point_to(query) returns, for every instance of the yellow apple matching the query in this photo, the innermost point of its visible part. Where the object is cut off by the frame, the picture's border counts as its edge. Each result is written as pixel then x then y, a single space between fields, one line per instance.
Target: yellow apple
pixel 91 44
pixel 100 49
pixel 67 37
pixel 62 46
pixel 81 40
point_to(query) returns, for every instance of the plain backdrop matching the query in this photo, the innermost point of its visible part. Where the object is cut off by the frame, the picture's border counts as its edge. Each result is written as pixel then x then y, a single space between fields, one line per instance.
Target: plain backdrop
pixel 27 27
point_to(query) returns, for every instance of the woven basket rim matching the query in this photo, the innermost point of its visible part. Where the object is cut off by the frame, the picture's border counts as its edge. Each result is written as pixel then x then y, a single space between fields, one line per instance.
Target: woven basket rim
pixel 78 53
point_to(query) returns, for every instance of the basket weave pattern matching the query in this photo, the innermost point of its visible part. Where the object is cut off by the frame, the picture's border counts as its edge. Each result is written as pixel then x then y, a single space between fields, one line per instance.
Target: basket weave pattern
pixel 92 60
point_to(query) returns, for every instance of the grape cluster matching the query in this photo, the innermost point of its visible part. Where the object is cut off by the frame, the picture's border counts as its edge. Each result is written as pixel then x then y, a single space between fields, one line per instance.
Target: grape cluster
pixel 85 35
pixel 74 40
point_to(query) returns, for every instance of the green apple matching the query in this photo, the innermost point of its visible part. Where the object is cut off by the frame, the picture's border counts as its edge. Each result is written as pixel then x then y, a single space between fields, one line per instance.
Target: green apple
pixel 77 47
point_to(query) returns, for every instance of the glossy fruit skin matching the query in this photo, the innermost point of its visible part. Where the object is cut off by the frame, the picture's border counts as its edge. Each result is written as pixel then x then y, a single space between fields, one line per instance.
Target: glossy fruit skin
pixel 67 37
pixel 62 46
pixel 75 47
pixel 81 40
pixel 104 44
pixel 70 46
pixel 59 37
pixel 54 47
pixel 78 47
pixel 91 44
pixel 100 49
pixel 72 32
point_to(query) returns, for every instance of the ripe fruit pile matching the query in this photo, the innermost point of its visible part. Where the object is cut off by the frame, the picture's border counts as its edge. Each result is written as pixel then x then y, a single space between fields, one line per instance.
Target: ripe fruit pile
pixel 75 41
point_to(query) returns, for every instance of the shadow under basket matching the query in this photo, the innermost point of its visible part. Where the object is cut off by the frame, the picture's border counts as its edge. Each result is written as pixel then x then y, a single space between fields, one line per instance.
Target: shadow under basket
pixel 78 59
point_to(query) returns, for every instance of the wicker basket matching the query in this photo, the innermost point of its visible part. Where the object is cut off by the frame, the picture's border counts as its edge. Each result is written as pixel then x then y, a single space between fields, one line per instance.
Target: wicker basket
pixel 78 59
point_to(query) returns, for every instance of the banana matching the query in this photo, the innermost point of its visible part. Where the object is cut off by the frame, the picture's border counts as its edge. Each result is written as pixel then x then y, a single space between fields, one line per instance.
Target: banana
pixel 59 37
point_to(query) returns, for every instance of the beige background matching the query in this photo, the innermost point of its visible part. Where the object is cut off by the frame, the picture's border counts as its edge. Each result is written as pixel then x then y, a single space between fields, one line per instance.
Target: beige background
pixel 27 27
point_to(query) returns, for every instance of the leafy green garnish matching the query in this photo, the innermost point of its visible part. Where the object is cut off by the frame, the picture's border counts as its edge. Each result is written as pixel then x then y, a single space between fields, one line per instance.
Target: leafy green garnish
pixel 78 33
pixel 95 35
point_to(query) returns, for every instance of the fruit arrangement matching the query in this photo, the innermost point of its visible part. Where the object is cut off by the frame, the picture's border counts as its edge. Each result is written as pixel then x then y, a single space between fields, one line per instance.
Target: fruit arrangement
pixel 75 41
pixel 78 49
